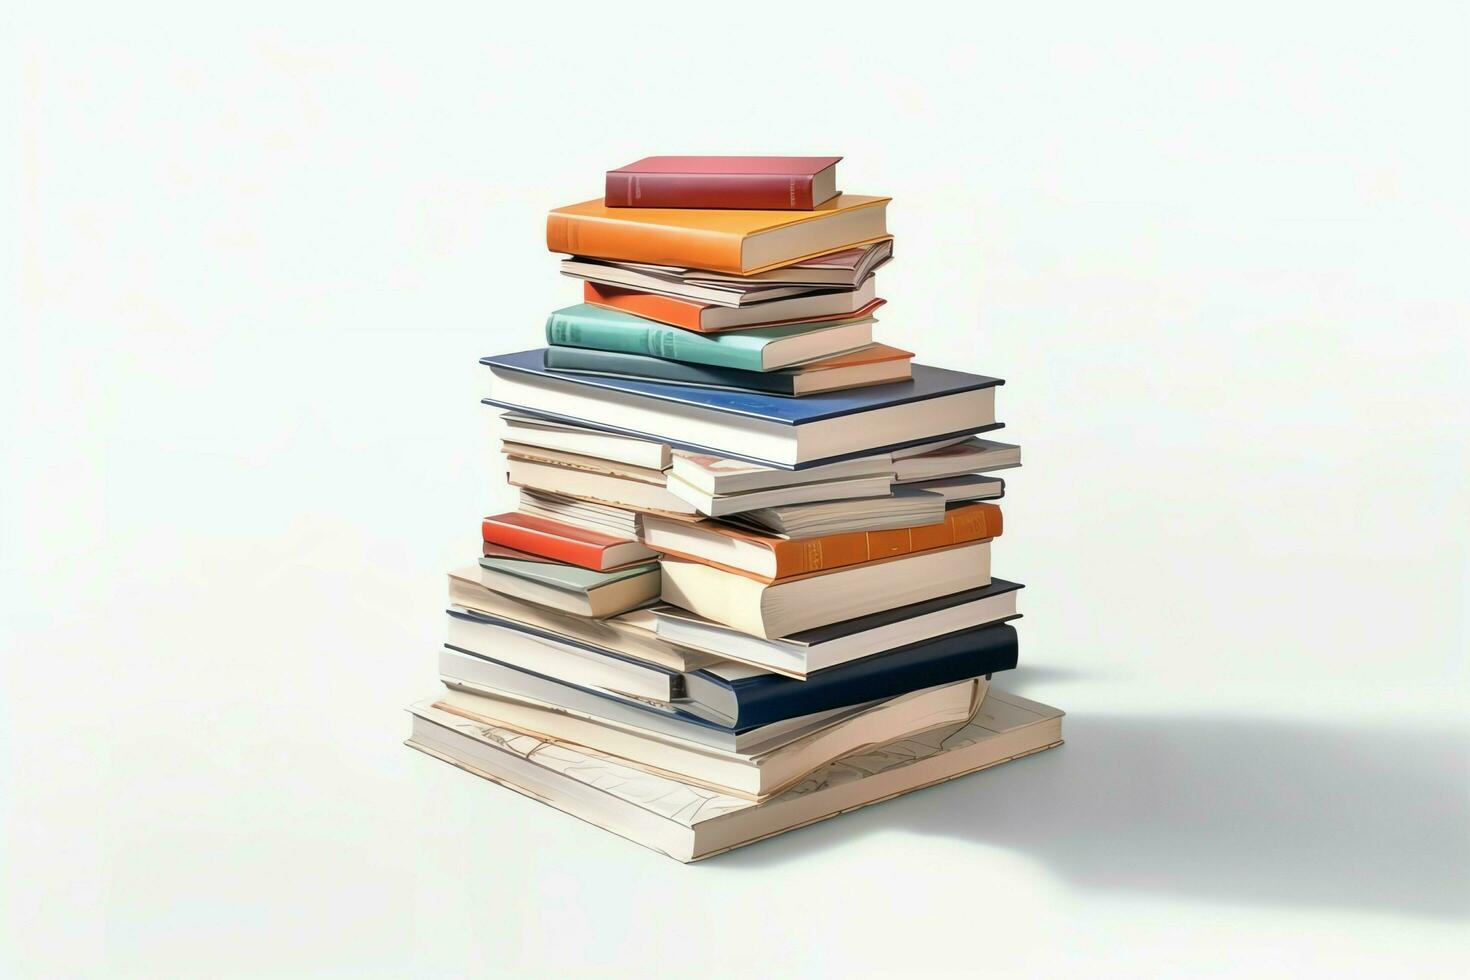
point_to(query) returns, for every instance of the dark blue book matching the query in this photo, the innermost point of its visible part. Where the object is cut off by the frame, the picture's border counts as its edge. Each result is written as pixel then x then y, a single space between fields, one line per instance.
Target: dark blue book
pixel 787 433
pixel 732 697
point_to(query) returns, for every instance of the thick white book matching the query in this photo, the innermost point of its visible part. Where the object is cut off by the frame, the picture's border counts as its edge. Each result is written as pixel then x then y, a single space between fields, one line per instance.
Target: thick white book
pixel 719 505
pixel 688 822
pixel 547 434
pixel 714 475
pixel 958 459
pixel 809 601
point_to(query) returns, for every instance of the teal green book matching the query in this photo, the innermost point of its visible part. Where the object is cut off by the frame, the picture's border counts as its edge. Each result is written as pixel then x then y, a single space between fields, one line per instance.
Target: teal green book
pixel 568 578
pixel 757 349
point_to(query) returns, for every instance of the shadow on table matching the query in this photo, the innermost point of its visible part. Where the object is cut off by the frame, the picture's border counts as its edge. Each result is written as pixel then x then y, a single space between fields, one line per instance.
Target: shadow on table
pixel 1216 808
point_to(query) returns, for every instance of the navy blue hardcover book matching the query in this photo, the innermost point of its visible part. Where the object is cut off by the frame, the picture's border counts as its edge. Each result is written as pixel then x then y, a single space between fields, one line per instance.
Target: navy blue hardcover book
pixel 766 698
pixel 787 433
pixel 751 699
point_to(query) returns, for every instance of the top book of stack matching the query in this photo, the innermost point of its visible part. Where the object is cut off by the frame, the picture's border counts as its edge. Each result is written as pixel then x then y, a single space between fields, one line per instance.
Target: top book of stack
pixel 747 183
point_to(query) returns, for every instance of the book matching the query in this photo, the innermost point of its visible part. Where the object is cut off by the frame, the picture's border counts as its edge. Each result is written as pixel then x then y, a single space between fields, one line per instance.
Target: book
pixel 599 487
pixel 737 241
pixel 904 507
pixel 569 588
pixel 817 599
pixel 803 654
pixel 754 776
pixel 723 505
pixel 631 633
pixel 563 658
pixel 767 183
pixel 813 307
pixel 484 674
pixel 716 475
pixel 874 364
pixel 604 518
pixel 738 696
pixel 957 459
pixel 955 489
pixel 590 464
pixel 758 349
pixel 563 542
pixel 769 558
pixel 787 433
pixel 845 268
pixel 688 822
pixel 734 292
pixel 530 431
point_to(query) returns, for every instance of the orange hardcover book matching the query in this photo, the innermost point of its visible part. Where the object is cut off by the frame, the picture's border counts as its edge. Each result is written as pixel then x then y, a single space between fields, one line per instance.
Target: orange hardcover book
pixel 720 240
pixel 771 559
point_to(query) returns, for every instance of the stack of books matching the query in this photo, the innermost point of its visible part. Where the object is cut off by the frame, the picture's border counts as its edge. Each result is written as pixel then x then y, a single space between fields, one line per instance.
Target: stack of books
pixel 747 585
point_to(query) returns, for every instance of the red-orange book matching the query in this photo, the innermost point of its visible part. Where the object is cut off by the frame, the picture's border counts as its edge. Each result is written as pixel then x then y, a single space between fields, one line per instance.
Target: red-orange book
pixel 709 318
pixel 565 543
pixel 771 559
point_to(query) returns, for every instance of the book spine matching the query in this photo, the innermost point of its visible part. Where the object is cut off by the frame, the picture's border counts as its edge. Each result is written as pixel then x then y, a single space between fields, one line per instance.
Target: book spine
pixel 629 241
pixel 652 340
pixel 584 361
pixel 579 553
pixel 756 192
pixel 973 522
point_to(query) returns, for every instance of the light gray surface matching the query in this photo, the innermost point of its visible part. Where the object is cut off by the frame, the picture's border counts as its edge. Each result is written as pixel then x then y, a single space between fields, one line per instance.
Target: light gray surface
pixel 1220 262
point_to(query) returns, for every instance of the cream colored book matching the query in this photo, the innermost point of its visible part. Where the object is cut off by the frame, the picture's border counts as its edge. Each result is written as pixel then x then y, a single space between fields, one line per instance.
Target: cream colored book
pixel 805 602
pixel 631 632
pixel 755 775
pixel 689 822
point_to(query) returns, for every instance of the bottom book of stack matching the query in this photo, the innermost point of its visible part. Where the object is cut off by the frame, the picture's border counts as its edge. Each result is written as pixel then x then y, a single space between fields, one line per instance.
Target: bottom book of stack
pixel 688 821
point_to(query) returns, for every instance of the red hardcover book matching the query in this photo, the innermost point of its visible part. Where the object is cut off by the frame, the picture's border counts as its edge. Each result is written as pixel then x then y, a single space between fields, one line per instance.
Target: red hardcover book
pixel 746 183
pixel 565 543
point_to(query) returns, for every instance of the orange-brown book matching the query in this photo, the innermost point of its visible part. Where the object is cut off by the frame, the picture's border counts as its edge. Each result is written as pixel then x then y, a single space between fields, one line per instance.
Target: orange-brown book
pixel 771 559
pixel 733 241
pixel 707 318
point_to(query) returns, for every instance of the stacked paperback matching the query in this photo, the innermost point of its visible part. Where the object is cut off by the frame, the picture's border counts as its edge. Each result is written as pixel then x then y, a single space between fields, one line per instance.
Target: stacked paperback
pixel 747 585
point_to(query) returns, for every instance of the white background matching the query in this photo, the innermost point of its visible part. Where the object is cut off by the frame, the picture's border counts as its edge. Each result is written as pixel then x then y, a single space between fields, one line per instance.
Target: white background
pixel 1219 255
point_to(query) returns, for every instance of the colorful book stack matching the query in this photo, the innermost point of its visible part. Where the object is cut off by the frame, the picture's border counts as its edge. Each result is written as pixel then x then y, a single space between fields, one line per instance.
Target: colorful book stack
pixel 748 583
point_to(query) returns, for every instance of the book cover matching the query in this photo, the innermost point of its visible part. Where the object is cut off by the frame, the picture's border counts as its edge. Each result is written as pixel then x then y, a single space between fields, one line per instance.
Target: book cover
pixel 711 239
pixel 768 183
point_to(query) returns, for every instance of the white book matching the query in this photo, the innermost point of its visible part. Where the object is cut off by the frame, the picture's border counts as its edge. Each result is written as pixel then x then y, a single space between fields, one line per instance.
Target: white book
pixel 602 518
pixel 718 475
pixel 958 459
pixel 823 598
pixel 749 775
pixel 689 822
pixel 903 508
pixel 960 488
pixel 632 633
pixel 802 654
pixel 485 676
pixel 718 505
pixel 654 279
pixel 547 434
pixel 598 487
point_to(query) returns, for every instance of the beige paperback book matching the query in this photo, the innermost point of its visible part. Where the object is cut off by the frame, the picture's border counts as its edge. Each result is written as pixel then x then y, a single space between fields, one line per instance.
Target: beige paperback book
pixel 688 822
